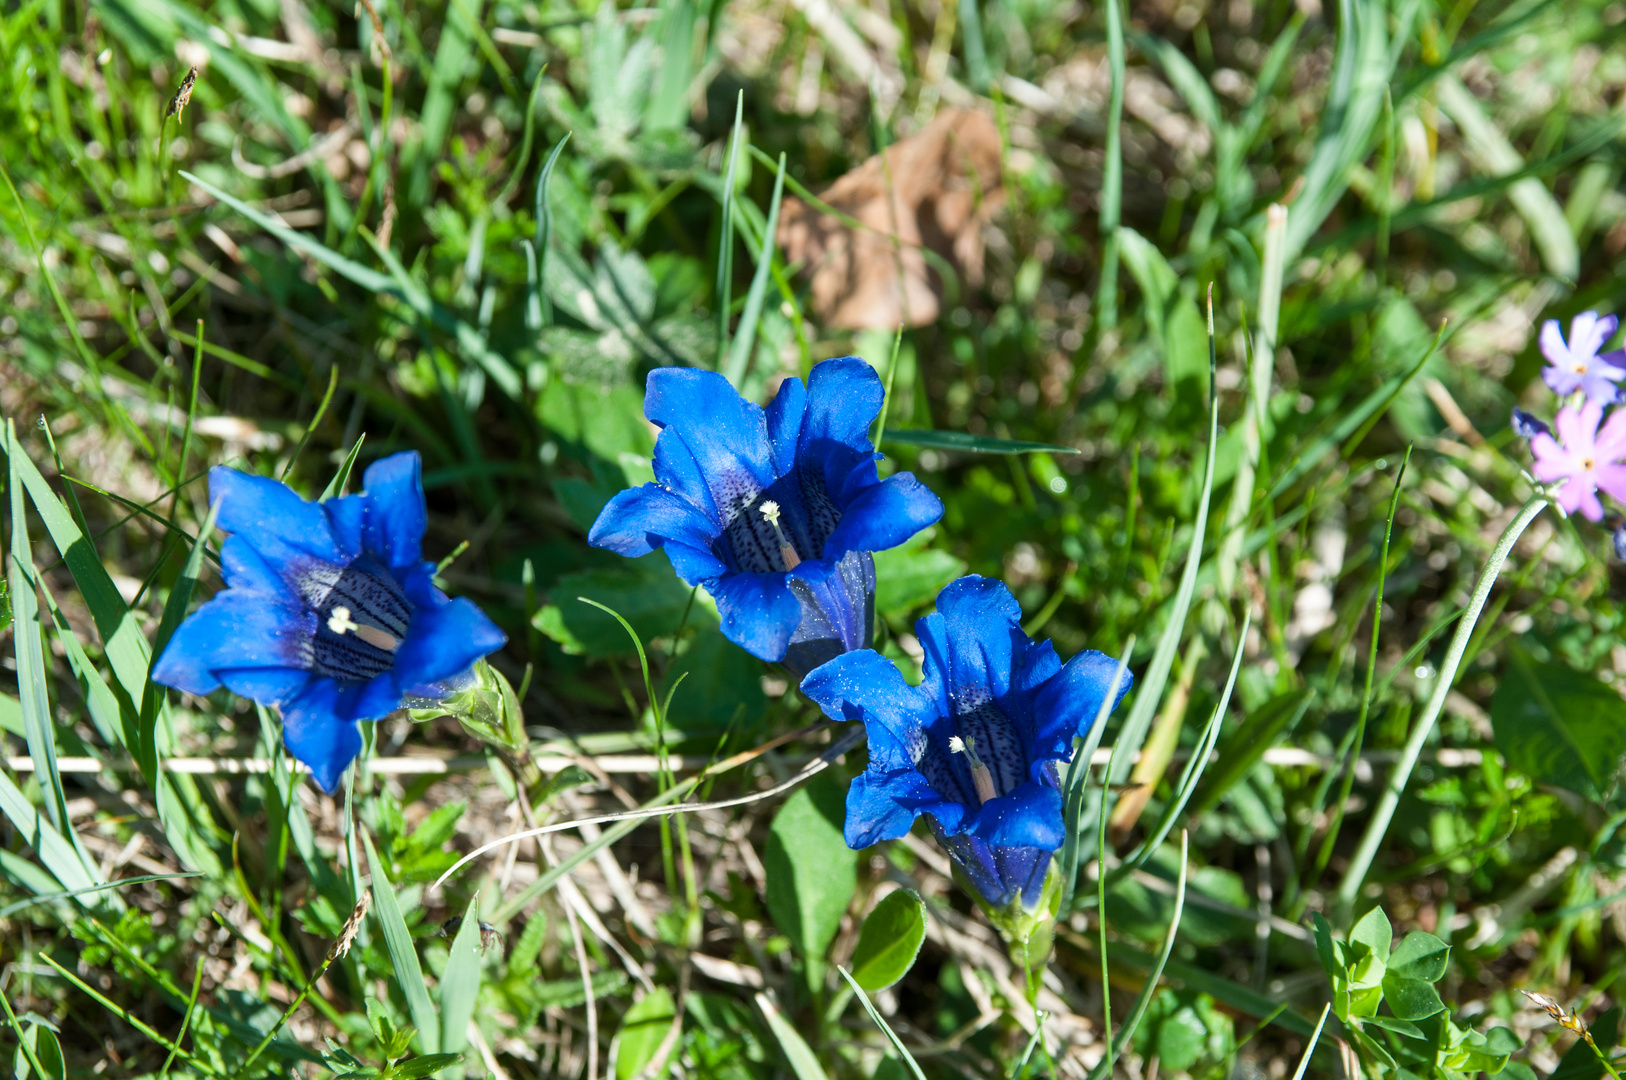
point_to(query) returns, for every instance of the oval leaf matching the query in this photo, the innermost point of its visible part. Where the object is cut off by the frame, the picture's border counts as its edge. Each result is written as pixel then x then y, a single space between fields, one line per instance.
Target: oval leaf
pixel 811 870
pixel 1559 726
pixel 890 940
pixel 643 1030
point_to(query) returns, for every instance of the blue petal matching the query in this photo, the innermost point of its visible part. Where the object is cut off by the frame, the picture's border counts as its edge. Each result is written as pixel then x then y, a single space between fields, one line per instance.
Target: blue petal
pixel 884 515
pixel 272 518
pixel 318 736
pixel 843 398
pixel 883 806
pixel 1066 705
pixel 866 686
pixel 970 641
pixel 1028 816
pixel 246 570
pixel 759 612
pixel 396 516
pixel 445 640
pixel 693 565
pixel 268 686
pixel 785 414
pixel 838 610
pixel 638 520
pixel 727 435
pixel 347 517
pixel 235 629
pixel 677 470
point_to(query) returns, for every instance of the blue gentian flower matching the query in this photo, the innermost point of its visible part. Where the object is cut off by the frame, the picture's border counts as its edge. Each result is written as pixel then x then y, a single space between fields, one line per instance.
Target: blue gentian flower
pixel 1526 426
pixel 329 611
pixel 1577 364
pixel 975 746
pixel 774 511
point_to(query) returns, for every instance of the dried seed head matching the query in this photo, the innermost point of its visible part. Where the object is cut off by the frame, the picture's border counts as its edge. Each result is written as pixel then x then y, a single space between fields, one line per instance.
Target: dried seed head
pixel 1564 1017
pixel 183 96
pixel 352 926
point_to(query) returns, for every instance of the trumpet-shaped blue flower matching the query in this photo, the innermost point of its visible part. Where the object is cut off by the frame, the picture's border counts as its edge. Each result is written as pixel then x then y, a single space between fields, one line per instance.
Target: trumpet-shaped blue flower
pixel 774 511
pixel 976 744
pixel 329 611
pixel 1577 363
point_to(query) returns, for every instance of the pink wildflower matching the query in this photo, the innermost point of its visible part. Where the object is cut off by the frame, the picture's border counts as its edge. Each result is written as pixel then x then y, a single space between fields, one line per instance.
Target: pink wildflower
pixel 1586 458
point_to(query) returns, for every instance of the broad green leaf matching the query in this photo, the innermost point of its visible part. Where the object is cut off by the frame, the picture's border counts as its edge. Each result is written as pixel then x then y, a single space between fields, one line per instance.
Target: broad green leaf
pixel 1399 1027
pixel 811 870
pixel 723 684
pixel 403 955
pixel 890 940
pixel 1559 727
pixel 910 576
pixel 967 443
pixel 646 593
pixel 1420 956
pixel 1181 1038
pixel 643 1029
pixel 460 982
pixel 1411 999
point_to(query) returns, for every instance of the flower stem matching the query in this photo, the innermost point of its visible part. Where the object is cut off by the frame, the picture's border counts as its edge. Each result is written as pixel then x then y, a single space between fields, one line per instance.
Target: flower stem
pixel 1384 812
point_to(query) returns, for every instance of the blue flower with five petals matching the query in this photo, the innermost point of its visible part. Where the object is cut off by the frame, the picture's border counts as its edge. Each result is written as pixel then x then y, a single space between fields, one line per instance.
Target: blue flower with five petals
pixel 775 511
pixel 329 611
pixel 976 744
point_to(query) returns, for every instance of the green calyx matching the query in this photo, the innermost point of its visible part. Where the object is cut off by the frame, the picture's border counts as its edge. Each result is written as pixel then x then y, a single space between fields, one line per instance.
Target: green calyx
pixel 488 709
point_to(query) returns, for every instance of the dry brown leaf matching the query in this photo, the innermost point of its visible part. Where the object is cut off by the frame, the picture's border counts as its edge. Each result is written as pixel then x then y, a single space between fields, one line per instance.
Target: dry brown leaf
pixel 944 185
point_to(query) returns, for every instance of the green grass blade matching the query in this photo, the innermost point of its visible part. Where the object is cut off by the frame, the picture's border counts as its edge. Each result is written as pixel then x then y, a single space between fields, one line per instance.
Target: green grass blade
pixel 122 639
pixel 739 355
pixel 1078 771
pixel 399 286
pixel 804 1064
pixel 1195 765
pixel 886 1028
pixel 460 983
pixel 725 243
pixel 1144 1001
pixel 310 428
pixel 1133 732
pixel 398 940
pixel 967 443
pixel 539 308
pixel 30 650
pixel 1112 174
pixel 60 857
pixel 341 478
pixel 69 894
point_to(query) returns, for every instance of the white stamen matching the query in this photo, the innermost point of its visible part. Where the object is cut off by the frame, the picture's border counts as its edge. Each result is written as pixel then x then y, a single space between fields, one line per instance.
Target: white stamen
pixel 787 551
pixel 981 778
pixel 341 623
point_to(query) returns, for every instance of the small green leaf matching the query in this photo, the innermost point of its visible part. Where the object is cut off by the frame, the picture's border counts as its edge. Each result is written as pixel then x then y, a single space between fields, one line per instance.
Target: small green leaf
pixel 419 1068
pixel 643 1029
pixel 1399 1027
pixel 1420 956
pixel 910 576
pixel 1374 932
pixel 967 443
pixel 890 940
pixel 1412 999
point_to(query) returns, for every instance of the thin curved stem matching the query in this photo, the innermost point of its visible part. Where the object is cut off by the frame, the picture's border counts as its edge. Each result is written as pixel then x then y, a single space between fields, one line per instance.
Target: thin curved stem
pixel 1384 812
